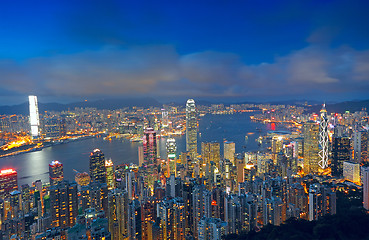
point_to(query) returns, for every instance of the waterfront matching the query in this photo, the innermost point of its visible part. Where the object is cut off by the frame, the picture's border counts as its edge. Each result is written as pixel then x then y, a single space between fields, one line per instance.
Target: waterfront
pixel 75 155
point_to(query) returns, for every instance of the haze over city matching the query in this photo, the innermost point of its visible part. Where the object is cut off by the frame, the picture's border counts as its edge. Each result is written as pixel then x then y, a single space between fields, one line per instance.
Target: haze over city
pixel 64 51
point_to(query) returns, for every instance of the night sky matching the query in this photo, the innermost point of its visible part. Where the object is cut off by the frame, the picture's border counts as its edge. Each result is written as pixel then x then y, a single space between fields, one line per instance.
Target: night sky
pixel 257 50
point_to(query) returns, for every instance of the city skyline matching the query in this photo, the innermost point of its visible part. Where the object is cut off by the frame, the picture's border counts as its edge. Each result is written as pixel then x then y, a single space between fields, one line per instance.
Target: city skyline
pixel 241 50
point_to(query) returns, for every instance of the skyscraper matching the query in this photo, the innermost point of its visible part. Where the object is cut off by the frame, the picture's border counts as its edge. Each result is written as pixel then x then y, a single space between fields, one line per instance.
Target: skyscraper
pixel 97 166
pixel 365 173
pixel 171 148
pixel 110 180
pixel 340 154
pixel 323 138
pixel 191 128
pixel 8 182
pixel 149 147
pixel 33 116
pixel 210 152
pixel 56 172
pixel 229 151
pixel 311 147
pixel 64 204
pixel 360 142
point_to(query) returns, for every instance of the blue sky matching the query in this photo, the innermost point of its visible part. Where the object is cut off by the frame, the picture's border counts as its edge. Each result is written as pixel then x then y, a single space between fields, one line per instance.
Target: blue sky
pixel 232 50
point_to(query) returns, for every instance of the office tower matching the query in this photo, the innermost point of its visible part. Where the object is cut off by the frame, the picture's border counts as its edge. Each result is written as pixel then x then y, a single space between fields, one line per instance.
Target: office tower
pixel 323 138
pixel 134 220
pixel 191 128
pixel 64 204
pixel 150 147
pixel 140 156
pixel 210 152
pixel 117 214
pixel 229 151
pixel 148 216
pixel 110 180
pixel 56 173
pixel 8 182
pixel 97 166
pixel 34 117
pixel 171 213
pixel 340 154
pixel 98 193
pixel 351 171
pixel 365 174
pixel 311 147
pixel 277 146
pixel 360 142
pixel 171 148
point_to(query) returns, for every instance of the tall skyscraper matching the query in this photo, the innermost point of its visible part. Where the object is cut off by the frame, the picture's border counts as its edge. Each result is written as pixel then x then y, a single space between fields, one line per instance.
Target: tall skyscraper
pixel 365 173
pixel 311 147
pixel 110 180
pixel 63 204
pixel 210 152
pixel 149 147
pixel 171 148
pixel 229 150
pixel 117 214
pixel 33 116
pixel 97 166
pixel 340 154
pixel 56 172
pixel 360 142
pixel 323 138
pixel 8 182
pixel 191 128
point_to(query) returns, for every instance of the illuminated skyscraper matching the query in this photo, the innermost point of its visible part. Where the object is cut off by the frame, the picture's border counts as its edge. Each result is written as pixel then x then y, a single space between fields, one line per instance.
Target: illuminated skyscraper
pixel 360 142
pixel 191 128
pixel 210 152
pixel 63 204
pixel 323 138
pixel 340 154
pixel 33 116
pixel 171 153
pixel 229 150
pixel 365 174
pixel 8 182
pixel 171 148
pixel 311 147
pixel 149 146
pixel 97 166
pixel 150 156
pixel 110 180
pixel 56 172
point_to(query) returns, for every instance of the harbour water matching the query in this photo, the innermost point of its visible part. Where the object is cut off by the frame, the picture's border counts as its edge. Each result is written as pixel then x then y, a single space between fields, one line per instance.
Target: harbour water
pixel 75 155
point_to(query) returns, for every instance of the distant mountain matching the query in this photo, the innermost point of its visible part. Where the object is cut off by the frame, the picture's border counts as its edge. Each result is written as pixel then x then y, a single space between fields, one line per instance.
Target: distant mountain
pixel 110 104
pixel 341 107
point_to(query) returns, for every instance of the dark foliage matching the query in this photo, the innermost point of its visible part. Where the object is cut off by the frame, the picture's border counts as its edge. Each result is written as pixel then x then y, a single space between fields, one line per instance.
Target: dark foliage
pixel 353 225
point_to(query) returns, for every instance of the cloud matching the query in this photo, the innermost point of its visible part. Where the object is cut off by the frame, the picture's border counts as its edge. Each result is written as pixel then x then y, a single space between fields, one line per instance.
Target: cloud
pixel 161 71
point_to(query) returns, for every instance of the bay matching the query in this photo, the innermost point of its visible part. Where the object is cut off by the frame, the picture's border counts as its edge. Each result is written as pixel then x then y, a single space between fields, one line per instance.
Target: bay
pixel 75 155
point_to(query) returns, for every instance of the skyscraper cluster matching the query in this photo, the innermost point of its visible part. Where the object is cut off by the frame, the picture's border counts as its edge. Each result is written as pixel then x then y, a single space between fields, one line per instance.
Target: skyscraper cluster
pixel 203 194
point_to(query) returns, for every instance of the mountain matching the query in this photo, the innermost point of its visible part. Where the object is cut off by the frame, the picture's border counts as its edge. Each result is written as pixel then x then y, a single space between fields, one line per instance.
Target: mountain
pixel 341 107
pixel 110 104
